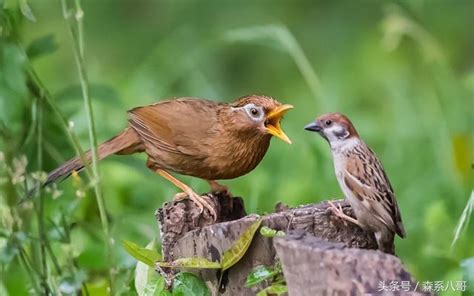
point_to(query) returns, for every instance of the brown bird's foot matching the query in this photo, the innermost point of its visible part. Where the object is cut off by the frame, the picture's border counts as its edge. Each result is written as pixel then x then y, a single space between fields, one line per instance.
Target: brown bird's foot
pixel 203 202
pixel 337 211
pixel 217 187
pixel 200 201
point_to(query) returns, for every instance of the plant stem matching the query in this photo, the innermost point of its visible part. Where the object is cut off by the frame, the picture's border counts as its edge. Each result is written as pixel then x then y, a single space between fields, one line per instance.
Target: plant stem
pixel 45 245
pixel 302 62
pixel 39 90
pixel 40 201
pixel 78 44
pixel 23 259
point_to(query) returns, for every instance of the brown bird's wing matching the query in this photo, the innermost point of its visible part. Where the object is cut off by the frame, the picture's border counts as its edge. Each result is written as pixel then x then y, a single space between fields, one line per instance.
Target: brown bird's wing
pixel 365 176
pixel 176 126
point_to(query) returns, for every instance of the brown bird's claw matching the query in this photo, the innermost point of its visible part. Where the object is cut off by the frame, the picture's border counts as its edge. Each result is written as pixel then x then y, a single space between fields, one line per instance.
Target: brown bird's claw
pixel 200 201
pixel 337 211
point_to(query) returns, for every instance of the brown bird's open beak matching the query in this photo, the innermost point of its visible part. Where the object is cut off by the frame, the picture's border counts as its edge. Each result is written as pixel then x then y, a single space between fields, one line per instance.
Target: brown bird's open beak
pixel 272 124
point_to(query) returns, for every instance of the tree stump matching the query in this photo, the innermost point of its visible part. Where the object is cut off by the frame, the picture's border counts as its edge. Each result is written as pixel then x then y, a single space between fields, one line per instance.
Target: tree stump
pixel 185 232
pixel 328 268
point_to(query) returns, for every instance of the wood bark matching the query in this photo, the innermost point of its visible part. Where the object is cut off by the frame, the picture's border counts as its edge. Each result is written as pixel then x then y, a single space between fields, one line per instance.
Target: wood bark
pixel 186 232
pixel 313 266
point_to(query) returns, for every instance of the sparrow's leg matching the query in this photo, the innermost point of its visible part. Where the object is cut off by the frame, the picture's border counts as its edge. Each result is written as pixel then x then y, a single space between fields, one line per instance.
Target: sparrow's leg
pixel 200 201
pixel 216 187
pixel 340 213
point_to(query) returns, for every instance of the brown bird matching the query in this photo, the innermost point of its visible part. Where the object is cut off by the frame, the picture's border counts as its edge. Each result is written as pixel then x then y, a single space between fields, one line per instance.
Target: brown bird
pixel 362 179
pixel 195 137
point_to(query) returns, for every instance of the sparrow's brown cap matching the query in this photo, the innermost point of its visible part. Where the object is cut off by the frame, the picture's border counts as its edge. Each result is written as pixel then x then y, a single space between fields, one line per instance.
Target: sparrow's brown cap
pixel 328 119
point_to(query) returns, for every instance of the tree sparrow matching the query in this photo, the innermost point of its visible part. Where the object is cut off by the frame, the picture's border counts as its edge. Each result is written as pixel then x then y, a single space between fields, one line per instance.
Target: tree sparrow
pixel 362 179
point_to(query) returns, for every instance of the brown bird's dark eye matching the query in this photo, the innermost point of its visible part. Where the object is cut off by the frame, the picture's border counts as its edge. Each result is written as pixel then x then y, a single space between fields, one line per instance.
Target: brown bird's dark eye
pixel 254 111
pixel 328 122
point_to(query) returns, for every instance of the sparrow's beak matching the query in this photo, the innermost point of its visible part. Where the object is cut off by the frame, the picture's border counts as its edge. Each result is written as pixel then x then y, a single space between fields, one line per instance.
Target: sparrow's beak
pixel 272 124
pixel 313 127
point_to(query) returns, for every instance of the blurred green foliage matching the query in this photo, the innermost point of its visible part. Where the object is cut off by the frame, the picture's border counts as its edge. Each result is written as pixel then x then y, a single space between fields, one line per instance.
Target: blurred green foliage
pixel 403 71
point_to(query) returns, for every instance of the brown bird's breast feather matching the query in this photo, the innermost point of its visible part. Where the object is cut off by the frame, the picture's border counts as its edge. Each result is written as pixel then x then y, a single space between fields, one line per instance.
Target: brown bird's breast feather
pixel 197 138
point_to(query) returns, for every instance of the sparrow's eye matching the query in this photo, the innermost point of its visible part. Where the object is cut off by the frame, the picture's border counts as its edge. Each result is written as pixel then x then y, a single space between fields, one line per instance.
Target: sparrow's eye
pixel 328 122
pixel 254 111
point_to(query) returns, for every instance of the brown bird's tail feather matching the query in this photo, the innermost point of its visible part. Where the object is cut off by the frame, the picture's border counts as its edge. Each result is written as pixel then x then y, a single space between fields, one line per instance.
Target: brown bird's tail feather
pixel 127 142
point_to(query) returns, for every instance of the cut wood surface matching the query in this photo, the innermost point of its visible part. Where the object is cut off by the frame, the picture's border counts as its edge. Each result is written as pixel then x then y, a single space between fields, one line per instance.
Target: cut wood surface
pixel 185 232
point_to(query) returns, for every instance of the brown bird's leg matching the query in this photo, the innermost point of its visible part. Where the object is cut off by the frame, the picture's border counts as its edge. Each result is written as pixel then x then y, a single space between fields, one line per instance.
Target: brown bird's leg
pixel 340 213
pixel 180 196
pixel 215 186
pixel 196 198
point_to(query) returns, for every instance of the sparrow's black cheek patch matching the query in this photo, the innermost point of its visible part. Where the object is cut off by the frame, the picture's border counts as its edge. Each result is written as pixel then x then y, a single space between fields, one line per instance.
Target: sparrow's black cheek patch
pixel 341 134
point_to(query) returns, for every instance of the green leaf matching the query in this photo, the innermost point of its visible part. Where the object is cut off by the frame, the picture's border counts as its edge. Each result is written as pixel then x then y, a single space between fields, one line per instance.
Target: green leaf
pixel 3 290
pixel 149 257
pixel 237 251
pixel 192 262
pixel 260 274
pixel 41 46
pixel 97 288
pixel 13 85
pixel 26 10
pixel 72 284
pixel 275 289
pixel 188 284
pixel 467 267
pixel 8 253
pixel 270 232
pixel 155 288
pixel 12 247
pixel 145 275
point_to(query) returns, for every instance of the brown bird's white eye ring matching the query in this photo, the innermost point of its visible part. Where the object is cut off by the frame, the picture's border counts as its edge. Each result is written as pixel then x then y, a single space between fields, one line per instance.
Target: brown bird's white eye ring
pixel 254 112
pixel 328 122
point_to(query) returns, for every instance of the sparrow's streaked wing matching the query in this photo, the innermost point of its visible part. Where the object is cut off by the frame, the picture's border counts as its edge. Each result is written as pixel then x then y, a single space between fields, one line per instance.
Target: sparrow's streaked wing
pixel 365 176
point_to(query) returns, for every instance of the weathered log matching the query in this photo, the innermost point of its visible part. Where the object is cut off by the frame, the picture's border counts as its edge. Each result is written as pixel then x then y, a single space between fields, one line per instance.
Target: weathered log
pixel 186 233
pixel 176 218
pixel 328 268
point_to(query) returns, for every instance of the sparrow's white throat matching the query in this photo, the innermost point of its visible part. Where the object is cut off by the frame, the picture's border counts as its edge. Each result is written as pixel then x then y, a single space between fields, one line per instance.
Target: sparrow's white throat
pixel 342 145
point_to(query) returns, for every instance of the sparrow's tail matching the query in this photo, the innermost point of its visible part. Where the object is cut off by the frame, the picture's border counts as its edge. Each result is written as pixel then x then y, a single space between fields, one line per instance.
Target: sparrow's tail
pixel 385 241
pixel 127 142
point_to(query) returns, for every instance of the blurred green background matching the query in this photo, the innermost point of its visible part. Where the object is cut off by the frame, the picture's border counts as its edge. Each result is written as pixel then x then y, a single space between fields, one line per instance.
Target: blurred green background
pixel 403 71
